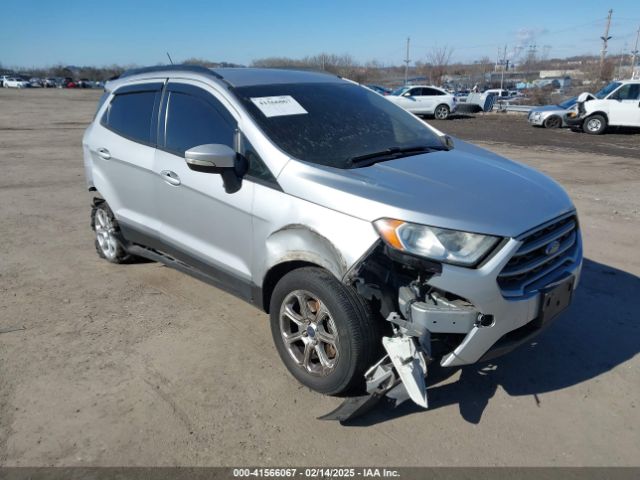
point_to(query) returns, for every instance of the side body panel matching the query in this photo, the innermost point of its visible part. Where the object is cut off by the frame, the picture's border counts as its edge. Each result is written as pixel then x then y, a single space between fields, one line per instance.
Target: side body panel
pixel 287 228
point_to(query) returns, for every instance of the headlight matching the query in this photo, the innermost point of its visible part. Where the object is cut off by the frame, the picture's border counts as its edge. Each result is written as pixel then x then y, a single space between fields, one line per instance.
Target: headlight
pixel 449 246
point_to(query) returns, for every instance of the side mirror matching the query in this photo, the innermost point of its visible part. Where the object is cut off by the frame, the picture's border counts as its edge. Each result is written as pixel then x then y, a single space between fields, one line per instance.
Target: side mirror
pixel 406 94
pixel 447 141
pixel 210 158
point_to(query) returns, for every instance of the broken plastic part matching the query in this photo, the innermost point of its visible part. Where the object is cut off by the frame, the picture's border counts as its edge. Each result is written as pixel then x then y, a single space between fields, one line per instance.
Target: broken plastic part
pixel 410 364
pixel 399 375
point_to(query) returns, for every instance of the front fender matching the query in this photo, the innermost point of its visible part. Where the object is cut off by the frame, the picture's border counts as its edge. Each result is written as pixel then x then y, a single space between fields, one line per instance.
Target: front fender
pixel 296 242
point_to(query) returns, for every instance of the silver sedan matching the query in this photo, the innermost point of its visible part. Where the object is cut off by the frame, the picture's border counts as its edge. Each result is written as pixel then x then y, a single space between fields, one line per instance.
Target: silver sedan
pixel 551 116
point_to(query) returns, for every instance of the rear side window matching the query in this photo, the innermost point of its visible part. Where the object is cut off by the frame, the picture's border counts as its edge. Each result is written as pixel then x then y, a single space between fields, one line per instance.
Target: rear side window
pixel 130 115
pixel 193 121
pixel 431 91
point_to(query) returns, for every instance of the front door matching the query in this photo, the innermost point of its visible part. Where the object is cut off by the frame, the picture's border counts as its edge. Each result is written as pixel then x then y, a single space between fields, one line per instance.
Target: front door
pixel 200 222
pixel 624 106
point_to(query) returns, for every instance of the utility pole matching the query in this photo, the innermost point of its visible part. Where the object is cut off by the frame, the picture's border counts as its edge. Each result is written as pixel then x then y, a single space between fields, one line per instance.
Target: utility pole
pixel 406 63
pixel 605 39
pixel 504 63
pixel 634 53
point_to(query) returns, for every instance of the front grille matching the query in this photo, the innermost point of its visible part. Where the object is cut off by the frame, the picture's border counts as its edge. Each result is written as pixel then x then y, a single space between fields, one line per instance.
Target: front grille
pixel 539 260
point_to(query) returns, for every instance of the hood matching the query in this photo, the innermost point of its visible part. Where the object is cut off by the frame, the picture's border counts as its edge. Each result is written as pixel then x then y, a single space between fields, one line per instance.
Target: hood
pixel 585 97
pixel 547 108
pixel 466 188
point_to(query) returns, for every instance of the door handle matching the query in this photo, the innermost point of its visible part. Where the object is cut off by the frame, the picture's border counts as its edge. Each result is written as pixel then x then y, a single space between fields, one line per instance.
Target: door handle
pixel 104 153
pixel 170 177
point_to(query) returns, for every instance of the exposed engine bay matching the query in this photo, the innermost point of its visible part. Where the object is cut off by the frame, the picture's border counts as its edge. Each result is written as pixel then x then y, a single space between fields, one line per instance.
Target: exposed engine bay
pixel 420 324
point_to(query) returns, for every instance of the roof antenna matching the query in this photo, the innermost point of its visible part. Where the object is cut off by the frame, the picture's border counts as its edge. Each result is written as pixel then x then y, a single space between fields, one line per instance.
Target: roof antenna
pixel 170 61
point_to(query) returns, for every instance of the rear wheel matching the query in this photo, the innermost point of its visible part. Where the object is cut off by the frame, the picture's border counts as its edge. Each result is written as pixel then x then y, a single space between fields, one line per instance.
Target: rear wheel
pixel 322 330
pixel 553 122
pixel 595 124
pixel 441 112
pixel 107 232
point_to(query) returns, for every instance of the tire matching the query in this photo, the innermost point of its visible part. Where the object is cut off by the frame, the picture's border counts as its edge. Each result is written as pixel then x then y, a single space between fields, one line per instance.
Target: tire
pixel 108 238
pixel 441 112
pixel 594 124
pixel 310 305
pixel 553 121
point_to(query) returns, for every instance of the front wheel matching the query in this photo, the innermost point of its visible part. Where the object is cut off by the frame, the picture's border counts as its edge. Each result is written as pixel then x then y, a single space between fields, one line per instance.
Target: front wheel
pixel 553 122
pixel 322 330
pixel 595 124
pixel 442 112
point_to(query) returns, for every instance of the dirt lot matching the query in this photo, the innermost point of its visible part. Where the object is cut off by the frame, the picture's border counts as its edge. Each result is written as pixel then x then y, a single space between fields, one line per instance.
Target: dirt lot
pixel 142 365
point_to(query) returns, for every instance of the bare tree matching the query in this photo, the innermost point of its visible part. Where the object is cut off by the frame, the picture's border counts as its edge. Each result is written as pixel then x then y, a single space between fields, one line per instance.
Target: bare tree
pixel 439 59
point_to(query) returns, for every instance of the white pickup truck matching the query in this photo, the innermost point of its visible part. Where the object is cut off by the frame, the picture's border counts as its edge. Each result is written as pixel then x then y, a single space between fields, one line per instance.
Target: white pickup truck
pixel 616 105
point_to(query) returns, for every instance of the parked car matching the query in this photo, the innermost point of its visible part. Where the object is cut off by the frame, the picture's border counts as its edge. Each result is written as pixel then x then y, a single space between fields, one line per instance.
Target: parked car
pixel 425 100
pixel 35 82
pixel 551 116
pixel 15 82
pixel 500 93
pixel 617 104
pixel 339 219
pixel 3 78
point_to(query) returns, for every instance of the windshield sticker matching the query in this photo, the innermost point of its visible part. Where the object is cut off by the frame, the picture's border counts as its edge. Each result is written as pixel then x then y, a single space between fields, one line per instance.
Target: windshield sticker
pixel 278 106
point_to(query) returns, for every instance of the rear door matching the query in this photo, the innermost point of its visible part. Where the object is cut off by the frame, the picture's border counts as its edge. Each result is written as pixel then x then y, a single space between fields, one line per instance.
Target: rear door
pixel 624 106
pixel 122 149
pixel 200 223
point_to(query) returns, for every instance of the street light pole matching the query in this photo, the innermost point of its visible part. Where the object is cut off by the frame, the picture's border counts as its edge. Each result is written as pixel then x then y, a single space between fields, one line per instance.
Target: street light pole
pixel 504 63
pixel 406 63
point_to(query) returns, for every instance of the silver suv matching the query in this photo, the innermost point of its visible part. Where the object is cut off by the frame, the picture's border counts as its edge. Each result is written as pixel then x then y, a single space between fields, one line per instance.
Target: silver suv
pixel 375 243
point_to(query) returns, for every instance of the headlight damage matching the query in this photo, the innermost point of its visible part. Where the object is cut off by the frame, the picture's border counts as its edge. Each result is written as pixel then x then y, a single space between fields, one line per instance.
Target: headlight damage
pixel 449 246
pixel 421 322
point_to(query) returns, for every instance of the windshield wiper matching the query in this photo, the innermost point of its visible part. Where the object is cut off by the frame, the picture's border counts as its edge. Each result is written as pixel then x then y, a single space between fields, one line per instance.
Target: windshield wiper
pixel 390 153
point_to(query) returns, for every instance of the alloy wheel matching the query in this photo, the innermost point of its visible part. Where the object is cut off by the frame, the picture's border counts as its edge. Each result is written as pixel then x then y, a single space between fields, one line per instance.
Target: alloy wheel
pixel 309 333
pixel 105 234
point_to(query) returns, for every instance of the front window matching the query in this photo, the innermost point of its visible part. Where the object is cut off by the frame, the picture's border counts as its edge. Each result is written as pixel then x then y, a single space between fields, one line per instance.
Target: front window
pixel 399 91
pixel 630 91
pixel 604 91
pixel 332 123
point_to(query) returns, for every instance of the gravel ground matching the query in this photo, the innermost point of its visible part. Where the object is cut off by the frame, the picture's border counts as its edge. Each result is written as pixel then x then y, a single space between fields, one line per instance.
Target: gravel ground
pixel 142 365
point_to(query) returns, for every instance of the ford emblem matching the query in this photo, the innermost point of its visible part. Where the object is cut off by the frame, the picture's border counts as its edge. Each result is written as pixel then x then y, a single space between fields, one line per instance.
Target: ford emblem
pixel 552 248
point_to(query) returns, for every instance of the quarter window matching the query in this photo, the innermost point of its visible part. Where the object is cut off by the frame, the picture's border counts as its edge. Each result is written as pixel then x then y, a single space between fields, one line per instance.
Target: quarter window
pixel 193 121
pixel 129 114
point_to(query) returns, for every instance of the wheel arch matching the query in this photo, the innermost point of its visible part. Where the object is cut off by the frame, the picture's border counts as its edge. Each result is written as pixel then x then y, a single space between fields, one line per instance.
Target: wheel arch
pixel 295 246
pixel 553 116
pixel 598 112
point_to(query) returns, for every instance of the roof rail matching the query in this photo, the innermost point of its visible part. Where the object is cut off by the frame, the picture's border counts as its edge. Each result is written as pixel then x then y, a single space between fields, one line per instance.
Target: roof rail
pixel 171 68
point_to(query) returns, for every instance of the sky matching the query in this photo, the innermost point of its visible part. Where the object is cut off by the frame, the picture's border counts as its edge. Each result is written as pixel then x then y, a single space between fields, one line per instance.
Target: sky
pixel 70 32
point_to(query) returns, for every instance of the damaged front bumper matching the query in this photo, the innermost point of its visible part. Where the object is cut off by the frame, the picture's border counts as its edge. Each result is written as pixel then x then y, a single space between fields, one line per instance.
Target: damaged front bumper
pixel 466 307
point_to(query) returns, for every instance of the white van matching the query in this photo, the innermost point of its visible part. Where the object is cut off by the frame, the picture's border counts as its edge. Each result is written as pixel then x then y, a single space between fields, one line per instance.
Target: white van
pixel 617 104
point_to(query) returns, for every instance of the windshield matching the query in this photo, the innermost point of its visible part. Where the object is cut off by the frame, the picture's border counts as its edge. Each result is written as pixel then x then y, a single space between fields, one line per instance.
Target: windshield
pixel 332 123
pixel 568 103
pixel 399 91
pixel 604 91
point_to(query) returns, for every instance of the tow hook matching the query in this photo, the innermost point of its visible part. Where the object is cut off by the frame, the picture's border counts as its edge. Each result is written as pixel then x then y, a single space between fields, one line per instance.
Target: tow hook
pixel 398 376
